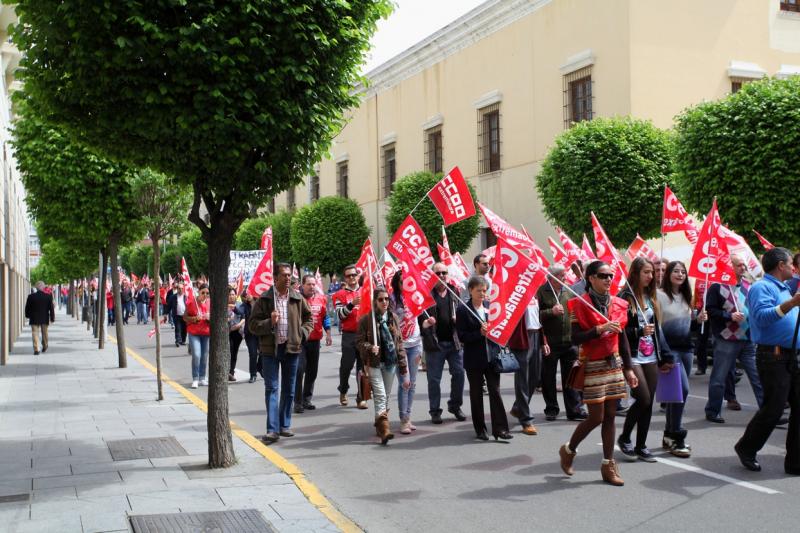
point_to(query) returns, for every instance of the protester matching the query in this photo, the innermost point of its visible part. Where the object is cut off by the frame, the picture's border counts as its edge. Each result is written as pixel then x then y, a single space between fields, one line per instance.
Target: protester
pixel 605 350
pixel 525 344
pixel 346 302
pixel 282 320
pixel 40 312
pixel 142 298
pixel 678 319
pixel 481 266
pixel 110 307
pixel 126 296
pixel 235 331
pixel 774 319
pixel 250 340
pixel 557 329
pixel 477 348
pixel 649 352
pixel 412 343
pixel 197 318
pixel 661 268
pixel 382 358
pixel 176 307
pixel 794 281
pixel 727 314
pixel 308 364
pixel 440 341
pixel 168 302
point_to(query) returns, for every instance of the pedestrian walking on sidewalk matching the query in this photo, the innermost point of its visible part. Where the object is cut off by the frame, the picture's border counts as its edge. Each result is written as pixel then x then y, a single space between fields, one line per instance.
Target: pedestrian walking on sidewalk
pixel 308 365
pixel 197 317
pixel 346 301
pixel 412 342
pixel 235 331
pixel 40 312
pixel 250 340
pixel 382 358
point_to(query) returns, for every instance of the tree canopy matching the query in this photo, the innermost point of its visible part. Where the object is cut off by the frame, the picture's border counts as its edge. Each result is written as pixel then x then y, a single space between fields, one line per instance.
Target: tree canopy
pixel 248 237
pixel 616 167
pixel 195 251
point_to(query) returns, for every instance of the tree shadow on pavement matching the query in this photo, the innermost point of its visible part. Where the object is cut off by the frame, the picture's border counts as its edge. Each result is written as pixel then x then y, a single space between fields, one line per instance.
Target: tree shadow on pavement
pixel 523 492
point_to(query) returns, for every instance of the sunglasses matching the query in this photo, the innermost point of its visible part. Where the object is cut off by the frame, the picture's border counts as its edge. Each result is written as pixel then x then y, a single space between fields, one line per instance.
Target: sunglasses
pixel 440 273
pixel 204 292
pixel 606 277
pixel 382 299
pixel 350 275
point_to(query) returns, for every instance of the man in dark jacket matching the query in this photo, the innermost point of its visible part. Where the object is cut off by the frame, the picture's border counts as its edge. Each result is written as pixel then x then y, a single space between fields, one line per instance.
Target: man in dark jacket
pixel 39 310
pixel 440 342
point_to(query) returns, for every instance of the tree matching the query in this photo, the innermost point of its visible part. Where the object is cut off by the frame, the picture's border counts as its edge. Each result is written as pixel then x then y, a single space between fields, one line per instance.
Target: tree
pixel 408 191
pixel 616 167
pixel 194 250
pixel 236 98
pixel 62 263
pixel 248 237
pixel 743 149
pixel 329 234
pixel 138 260
pixel 163 211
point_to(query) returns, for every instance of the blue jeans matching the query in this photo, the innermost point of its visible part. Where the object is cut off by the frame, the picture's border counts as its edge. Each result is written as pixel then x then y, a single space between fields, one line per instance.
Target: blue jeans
pixel 435 363
pixel 141 312
pixel 279 412
pixel 199 346
pixel 675 410
pixel 406 397
pixel 725 355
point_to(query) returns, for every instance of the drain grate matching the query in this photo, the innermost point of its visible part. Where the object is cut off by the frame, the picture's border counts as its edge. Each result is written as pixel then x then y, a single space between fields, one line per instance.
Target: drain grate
pixel 239 521
pixel 151 448
pixel 12 498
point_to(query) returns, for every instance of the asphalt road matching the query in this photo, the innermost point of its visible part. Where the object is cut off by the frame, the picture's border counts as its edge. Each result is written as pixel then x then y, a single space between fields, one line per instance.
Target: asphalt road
pixel 441 479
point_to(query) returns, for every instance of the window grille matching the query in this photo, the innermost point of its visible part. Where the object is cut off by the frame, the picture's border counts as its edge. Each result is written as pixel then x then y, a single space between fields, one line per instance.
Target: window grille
pixel 578 97
pixel 489 139
pixel 433 150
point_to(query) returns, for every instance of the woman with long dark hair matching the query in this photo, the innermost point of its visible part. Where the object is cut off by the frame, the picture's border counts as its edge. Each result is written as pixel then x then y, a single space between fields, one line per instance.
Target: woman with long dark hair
pixel 678 319
pixel 598 322
pixel 412 342
pixel 649 352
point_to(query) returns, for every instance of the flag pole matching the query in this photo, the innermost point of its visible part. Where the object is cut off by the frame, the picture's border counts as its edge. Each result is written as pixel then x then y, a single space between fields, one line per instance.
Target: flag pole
pixel 661 256
pixel 708 256
pixel 372 309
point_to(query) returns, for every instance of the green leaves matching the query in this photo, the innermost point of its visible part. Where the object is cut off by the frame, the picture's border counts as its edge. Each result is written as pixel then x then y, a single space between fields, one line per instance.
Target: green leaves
pixel 248 237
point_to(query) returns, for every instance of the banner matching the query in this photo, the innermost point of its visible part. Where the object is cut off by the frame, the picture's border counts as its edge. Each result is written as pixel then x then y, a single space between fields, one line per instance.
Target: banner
pixel 764 242
pixel 501 228
pixel 675 218
pixel 365 292
pixel 516 279
pixel 711 259
pixel 640 248
pixel 410 236
pixel 455 275
pixel 188 288
pixel 538 253
pixel 243 261
pixel 295 273
pixel 262 278
pixel 240 284
pixel 572 250
pixel 266 238
pixel 606 252
pixel 560 257
pixel 388 270
pixel 586 247
pixel 318 284
pixel 739 247
pixel 461 265
pixel 418 283
pixel 452 198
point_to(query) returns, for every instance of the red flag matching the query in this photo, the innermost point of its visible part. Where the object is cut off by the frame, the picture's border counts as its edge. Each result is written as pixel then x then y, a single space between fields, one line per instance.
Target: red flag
pixel 170 279
pixel 572 250
pixel 418 282
pixel 266 238
pixel 538 253
pixel 675 218
pixel 501 228
pixel 295 273
pixel 640 248
pixel 454 274
pixel 134 278
pixel 462 266
pixel 452 198
pixel 409 236
pixel 514 285
pixel 240 283
pixel 367 260
pixel 561 258
pixel 606 252
pixel 188 288
pixel 586 247
pixel 318 284
pixel 262 278
pixel 365 291
pixel 711 259
pixel 764 242
pixel 388 270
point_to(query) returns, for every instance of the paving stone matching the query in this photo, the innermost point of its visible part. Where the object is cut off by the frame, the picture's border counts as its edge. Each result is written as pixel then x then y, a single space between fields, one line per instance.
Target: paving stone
pixel 57 494
pixel 59 524
pixel 76 480
pixel 304 526
pixel 15 486
pixel 244 521
pixel 291 511
pixel 118 504
pixel 104 522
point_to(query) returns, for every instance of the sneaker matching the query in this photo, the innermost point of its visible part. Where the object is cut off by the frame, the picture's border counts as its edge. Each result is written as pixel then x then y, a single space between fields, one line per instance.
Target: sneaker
pixel 626 448
pixel 308 406
pixel 298 409
pixel 436 418
pixel 680 449
pixel 252 379
pixel 645 455
pixel 204 382
pixel 270 438
pixel 195 384
pixel 231 377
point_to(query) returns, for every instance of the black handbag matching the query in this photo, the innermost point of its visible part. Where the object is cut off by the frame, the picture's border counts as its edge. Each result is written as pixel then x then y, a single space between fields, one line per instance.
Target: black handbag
pixel 501 360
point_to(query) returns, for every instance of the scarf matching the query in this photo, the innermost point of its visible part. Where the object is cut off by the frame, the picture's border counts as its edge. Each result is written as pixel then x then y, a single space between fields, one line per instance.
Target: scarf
pixel 388 352
pixel 601 301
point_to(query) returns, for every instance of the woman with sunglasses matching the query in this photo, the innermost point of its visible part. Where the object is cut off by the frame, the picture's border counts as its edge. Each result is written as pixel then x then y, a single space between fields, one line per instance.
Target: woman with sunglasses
pixel 412 342
pixel 382 357
pixel 598 322
pixel 649 353
pixel 678 320
pixel 199 329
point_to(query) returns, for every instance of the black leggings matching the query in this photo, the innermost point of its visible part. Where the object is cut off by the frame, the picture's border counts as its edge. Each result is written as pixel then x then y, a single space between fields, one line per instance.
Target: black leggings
pixel 642 410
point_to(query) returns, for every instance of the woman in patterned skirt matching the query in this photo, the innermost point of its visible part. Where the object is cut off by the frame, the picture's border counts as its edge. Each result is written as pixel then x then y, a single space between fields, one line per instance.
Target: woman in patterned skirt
pixel 598 327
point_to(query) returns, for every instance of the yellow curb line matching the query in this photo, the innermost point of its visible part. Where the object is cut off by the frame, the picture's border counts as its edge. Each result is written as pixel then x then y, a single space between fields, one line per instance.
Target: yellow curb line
pixel 311 491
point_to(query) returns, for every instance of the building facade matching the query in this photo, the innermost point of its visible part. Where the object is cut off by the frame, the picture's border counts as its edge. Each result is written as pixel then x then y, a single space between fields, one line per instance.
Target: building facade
pixel 491 91
pixel 14 224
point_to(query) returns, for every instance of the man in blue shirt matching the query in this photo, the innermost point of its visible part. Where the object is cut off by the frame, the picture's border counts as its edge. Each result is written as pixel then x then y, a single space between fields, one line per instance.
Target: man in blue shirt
pixel 773 326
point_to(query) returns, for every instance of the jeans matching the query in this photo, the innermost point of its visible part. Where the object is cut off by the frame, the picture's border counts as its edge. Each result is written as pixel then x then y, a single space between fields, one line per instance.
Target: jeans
pixel 349 358
pixel 111 317
pixel 406 397
pixel 455 362
pixel 381 379
pixel 127 311
pixel 251 341
pixel 141 312
pixel 199 347
pixel 725 355
pixel 180 329
pixel 307 368
pixel 279 412
pixel 566 356
pixel 674 415
pixel 526 378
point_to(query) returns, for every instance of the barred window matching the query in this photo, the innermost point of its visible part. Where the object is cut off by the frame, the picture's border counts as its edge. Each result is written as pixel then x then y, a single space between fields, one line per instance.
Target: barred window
pixel 341 179
pixel 291 199
pixel 313 186
pixel 433 150
pixel 790 5
pixel 738 82
pixel 578 97
pixel 489 139
pixel 388 169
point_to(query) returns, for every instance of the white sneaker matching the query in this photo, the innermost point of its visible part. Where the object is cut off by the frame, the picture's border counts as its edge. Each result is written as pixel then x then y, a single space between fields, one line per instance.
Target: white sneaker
pixel 204 382
pixel 194 384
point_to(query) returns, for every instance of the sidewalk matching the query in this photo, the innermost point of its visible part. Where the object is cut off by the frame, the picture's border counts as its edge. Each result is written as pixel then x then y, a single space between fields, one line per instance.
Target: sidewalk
pixel 62 412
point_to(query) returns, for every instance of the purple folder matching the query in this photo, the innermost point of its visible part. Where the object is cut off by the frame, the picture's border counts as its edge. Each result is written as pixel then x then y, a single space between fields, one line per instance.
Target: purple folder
pixel 669 388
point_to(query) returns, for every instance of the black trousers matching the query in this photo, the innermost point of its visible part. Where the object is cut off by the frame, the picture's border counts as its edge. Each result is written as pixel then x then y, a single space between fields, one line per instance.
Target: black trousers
pixel 566 356
pixel 307 368
pixel 180 329
pixel 781 381
pixel 701 350
pixel 496 410
pixel 349 358
pixel 235 340
pixel 251 341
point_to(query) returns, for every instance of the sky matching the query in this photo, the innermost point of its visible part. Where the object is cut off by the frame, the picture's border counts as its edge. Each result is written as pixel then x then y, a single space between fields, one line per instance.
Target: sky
pixel 412 21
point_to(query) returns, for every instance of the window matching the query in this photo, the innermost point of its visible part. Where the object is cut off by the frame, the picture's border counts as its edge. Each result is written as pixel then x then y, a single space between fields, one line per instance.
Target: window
pixel 291 199
pixel 489 139
pixel 433 150
pixel 488 238
pixel 738 82
pixel 790 5
pixel 313 186
pixel 341 179
pixel 388 169
pixel 578 97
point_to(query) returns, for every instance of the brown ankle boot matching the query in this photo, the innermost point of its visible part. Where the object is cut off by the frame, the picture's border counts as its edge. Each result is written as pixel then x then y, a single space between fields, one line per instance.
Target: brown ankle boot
pixel 383 428
pixel 566 459
pixel 377 425
pixel 610 473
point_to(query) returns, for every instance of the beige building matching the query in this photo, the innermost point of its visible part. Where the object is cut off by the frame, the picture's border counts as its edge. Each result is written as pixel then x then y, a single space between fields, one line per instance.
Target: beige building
pixel 14 225
pixel 491 91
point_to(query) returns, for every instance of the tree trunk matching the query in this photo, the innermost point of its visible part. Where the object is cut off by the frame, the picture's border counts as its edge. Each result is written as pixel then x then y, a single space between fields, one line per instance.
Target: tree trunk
pixel 157 293
pixel 101 302
pixel 220 443
pixel 113 248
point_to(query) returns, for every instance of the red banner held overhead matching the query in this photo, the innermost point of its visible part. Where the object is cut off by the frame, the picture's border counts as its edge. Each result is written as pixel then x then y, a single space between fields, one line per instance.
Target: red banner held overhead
pixel 410 236
pixel 266 238
pixel 560 257
pixel 461 264
pixel 711 259
pixel 240 283
pixel 452 198
pixel 262 278
pixel 517 278
pixel 367 262
pixel 572 250
pixel 764 242
pixel 418 282
pixel 640 248
pixel 586 247
pixel 188 288
pixel 388 270
pixel 503 229
pixel 675 218
pixel 606 252
pixel 318 284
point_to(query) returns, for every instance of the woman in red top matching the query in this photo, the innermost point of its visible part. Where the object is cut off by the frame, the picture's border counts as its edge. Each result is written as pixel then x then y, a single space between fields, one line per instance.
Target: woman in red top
pixel 604 350
pixel 199 329
pixel 110 307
